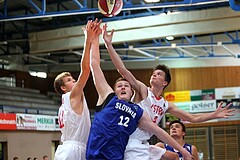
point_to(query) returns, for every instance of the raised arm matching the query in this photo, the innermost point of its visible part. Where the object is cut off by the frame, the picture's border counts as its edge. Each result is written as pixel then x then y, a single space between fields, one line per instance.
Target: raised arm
pixel 77 95
pixel 146 124
pixel 137 85
pixel 195 152
pixel 220 112
pixel 99 80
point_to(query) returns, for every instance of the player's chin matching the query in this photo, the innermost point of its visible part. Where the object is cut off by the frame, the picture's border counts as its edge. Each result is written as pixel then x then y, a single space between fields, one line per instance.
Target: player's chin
pixel 124 97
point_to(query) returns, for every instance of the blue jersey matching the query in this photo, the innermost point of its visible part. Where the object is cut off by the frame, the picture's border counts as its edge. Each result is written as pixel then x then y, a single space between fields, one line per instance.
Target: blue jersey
pixel 188 147
pixel 111 128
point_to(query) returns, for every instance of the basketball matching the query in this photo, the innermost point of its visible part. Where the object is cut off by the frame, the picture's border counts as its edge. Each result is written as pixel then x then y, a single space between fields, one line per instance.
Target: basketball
pixel 110 8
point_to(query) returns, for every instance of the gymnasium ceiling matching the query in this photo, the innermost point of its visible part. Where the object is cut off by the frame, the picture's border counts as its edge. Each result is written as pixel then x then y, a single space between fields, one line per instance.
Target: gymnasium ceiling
pixel 46 35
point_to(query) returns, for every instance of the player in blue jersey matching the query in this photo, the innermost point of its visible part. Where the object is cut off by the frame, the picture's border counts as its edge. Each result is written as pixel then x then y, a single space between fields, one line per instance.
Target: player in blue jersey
pixel 178 132
pixel 116 117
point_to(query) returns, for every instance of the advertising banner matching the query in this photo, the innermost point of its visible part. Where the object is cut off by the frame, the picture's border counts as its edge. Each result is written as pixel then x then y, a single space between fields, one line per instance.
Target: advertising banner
pixel 26 121
pixel 202 106
pixel 197 106
pixel 206 94
pixel 179 96
pixel 19 121
pixel 227 93
pixel 7 121
pixel 46 123
pixel 183 106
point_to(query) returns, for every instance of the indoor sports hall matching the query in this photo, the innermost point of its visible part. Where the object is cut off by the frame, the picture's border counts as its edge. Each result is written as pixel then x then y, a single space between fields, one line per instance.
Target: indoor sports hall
pixel 199 40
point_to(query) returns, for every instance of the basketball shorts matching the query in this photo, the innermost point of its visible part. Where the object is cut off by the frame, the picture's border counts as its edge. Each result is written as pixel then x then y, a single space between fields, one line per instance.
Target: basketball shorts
pixel 71 150
pixel 139 150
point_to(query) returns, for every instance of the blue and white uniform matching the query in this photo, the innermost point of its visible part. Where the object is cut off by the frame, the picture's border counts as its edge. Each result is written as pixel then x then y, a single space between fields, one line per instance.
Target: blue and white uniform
pixel 75 130
pixel 138 148
pixel 186 146
pixel 111 128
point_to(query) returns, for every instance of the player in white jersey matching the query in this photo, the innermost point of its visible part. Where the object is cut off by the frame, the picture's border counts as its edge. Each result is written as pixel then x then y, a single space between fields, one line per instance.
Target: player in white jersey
pixel 138 148
pixel 73 115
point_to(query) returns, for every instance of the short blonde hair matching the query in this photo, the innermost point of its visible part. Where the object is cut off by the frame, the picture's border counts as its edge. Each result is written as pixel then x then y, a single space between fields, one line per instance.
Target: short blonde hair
pixel 58 82
pixel 121 79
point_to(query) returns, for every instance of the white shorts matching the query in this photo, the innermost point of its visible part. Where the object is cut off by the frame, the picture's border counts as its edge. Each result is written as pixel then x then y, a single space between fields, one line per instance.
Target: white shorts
pixel 139 150
pixel 71 150
pixel 156 152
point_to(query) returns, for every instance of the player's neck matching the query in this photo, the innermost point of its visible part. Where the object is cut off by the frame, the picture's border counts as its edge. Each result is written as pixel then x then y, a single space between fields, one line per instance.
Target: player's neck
pixel 179 140
pixel 157 92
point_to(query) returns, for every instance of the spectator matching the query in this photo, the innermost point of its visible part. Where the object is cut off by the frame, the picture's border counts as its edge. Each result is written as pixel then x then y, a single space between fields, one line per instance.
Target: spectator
pixel 45 157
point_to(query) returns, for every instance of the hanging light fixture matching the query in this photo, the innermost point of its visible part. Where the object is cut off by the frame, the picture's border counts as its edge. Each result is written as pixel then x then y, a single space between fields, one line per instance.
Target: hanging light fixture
pixel 169 38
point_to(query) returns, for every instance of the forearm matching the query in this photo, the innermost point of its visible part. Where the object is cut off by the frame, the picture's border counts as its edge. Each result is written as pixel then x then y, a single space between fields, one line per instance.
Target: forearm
pixel 166 138
pixel 95 51
pixel 117 61
pixel 195 152
pixel 202 117
pixel 85 61
pixel 186 116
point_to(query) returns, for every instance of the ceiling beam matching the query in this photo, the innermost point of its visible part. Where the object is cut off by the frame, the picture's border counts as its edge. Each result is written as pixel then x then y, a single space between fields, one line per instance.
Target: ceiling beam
pixel 133 30
pixel 42 59
pixel 43 13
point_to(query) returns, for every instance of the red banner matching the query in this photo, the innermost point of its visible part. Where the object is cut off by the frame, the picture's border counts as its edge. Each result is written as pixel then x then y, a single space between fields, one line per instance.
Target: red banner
pixel 7 121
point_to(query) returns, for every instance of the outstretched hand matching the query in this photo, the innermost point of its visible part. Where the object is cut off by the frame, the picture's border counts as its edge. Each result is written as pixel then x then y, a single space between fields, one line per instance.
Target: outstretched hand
pixel 107 37
pixel 223 112
pixel 98 28
pixel 92 29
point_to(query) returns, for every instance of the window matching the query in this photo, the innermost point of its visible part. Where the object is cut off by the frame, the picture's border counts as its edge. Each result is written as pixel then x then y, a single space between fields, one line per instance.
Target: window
pixel 3 151
pixel 225 142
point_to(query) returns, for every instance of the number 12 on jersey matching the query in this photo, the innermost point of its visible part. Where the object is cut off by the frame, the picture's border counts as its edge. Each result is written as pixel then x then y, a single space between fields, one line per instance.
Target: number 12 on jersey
pixel 124 121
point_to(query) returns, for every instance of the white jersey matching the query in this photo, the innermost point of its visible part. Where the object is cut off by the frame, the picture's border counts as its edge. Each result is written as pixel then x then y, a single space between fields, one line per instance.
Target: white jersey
pixel 75 130
pixel 155 108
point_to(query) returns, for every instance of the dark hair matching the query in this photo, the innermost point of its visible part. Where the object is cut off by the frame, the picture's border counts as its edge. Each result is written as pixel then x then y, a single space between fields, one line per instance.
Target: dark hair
pixel 166 70
pixel 179 122
pixel 15 158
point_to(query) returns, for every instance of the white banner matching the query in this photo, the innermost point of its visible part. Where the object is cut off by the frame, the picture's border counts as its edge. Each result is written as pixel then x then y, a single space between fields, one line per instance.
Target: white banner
pixel 227 93
pixel 46 123
pixel 26 121
pixel 203 106
pixel 197 106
